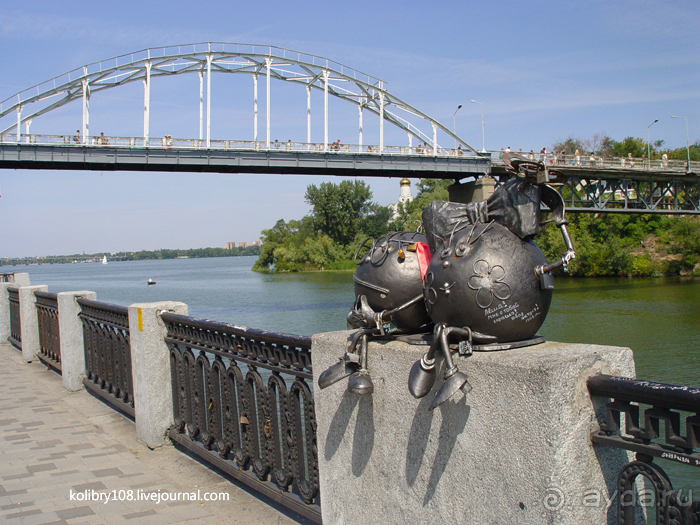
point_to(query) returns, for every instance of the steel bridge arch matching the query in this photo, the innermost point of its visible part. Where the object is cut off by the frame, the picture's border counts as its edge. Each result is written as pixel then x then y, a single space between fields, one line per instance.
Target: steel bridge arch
pixel 315 72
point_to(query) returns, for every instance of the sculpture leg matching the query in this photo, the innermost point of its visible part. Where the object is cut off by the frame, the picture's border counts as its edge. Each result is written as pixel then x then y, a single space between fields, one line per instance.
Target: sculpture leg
pixel 454 379
pixel 361 382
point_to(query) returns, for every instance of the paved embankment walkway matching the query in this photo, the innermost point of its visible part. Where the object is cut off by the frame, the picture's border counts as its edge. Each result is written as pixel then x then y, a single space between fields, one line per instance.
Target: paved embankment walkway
pixel 54 444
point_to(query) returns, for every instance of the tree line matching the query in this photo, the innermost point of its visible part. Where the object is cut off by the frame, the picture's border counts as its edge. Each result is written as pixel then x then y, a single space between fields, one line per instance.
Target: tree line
pixel 143 255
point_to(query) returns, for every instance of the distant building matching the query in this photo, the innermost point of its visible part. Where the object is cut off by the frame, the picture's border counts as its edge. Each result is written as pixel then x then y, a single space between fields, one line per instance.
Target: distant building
pixel 230 245
pixel 254 243
pixel 404 197
pixel 242 244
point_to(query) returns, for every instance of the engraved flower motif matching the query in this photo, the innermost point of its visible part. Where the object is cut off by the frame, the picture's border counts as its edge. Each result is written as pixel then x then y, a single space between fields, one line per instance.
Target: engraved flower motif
pixel 488 283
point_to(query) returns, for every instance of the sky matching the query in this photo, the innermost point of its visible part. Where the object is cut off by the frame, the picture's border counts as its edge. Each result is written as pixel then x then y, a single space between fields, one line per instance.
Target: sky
pixel 543 70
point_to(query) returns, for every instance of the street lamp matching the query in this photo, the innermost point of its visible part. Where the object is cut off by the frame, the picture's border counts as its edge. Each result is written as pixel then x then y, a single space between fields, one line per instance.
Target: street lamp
pixel 454 123
pixel 687 141
pixel 648 147
pixel 483 142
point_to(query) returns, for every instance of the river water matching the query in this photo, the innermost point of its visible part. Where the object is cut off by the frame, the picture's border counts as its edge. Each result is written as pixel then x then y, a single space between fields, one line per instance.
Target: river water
pixel 659 319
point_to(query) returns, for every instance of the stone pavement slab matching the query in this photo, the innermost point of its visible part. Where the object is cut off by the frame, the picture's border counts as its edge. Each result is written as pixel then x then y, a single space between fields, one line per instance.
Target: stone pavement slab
pixel 59 451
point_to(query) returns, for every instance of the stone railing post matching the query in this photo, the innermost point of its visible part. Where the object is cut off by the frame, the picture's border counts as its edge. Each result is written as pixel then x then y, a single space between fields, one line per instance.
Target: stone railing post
pixel 150 368
pixel 516 449
pixel 29 320
pixel 5 311
pixel 70 328
pixel 21 279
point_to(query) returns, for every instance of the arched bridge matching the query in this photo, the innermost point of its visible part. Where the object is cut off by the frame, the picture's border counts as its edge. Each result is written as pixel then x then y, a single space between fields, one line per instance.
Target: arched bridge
pixel 590 188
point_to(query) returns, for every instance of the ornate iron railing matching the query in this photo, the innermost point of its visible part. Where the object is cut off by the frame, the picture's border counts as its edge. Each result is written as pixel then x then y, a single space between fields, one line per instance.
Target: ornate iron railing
pixel 15 337
pixel 107 352
pixel 668 404
pixel 49 339
pixel 242 401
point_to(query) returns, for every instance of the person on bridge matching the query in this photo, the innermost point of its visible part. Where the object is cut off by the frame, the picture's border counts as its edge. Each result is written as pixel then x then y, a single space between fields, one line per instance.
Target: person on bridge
pixel 664 161
pixel 631 160
pixel 76 139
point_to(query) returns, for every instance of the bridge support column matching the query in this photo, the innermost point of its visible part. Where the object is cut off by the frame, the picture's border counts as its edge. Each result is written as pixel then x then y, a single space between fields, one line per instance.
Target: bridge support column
pixel 434 139
pixel 86 111
pixel 308 113
pixel 201 105
pixel 19 123
pixel 325 110
pixel 268 62
pixel 381 120
pixel 255 110
pixel 29 320
pixel 208 101
pixel 516 449
pixel 146 104
pixel 359 138
pixel 70 328
pixel 150 365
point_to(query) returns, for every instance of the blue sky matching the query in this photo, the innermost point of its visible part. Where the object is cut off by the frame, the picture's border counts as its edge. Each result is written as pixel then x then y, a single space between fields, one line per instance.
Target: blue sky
pixel 543 71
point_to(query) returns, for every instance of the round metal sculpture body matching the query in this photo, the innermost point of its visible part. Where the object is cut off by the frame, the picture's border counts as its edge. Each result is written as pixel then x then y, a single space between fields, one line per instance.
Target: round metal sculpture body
pixel 389 276
pixel 485 279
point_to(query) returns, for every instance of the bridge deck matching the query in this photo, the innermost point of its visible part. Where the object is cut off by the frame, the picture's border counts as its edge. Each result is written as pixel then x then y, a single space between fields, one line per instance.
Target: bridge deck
pixel 134 158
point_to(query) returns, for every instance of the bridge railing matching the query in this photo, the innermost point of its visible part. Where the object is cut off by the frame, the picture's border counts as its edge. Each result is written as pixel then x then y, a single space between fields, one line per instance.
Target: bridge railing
pixel 107 352
pixel 183 143
pixel 49 339
pixel 242 400
pixel 15 337
pixel 654 420
pixel 608 163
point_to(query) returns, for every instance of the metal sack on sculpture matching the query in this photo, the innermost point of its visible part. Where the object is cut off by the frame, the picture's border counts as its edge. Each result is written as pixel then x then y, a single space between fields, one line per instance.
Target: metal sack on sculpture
pixel 389 277
pixel 485 279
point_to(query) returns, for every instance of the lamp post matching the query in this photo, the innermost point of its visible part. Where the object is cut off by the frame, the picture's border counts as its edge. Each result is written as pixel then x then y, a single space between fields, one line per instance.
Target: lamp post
pixel 454 123
pixel 483 142
pixel 648 147
pixel 687 141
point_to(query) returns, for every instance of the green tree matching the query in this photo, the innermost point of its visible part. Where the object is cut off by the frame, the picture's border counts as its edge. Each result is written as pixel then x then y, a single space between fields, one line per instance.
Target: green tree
pixel 338 209
pixel 636 146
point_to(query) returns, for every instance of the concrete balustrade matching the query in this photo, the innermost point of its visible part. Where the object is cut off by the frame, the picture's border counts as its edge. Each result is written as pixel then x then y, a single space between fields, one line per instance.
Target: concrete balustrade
pixel 150 365
pixel 516 449
pixel 29 321
pixel 20 279
pixel 70 329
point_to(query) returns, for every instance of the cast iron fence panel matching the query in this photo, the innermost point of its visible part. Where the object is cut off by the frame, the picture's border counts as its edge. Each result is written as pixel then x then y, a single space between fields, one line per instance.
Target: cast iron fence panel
pixel 678 408
pixel 242 401
pixel 49 338
pixel 15 337
pixel 107 352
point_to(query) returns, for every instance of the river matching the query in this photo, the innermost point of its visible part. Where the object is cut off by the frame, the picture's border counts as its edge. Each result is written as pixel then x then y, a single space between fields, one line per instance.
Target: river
pixel 659 319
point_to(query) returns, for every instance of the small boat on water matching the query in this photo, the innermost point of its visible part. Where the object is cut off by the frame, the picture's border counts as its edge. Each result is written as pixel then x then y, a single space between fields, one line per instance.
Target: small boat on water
pixel 150 281
pixel 104 259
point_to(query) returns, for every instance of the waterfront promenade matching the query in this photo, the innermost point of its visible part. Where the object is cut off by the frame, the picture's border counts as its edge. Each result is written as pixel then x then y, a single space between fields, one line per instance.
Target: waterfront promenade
pixel 56 443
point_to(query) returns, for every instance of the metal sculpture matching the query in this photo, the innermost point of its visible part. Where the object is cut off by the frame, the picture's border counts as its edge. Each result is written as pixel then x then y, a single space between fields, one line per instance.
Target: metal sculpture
pixel 388 298
pixel 487 281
